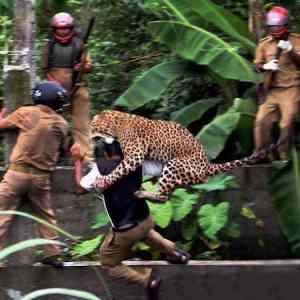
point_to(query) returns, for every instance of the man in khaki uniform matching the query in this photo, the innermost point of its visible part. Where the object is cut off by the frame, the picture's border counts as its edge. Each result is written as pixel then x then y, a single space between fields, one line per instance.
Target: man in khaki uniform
pixel 282 99
pixel 60 59
pixel 42 134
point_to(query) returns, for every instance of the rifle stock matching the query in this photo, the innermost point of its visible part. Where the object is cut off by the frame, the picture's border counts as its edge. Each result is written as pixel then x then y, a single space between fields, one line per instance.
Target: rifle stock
pixel 77 75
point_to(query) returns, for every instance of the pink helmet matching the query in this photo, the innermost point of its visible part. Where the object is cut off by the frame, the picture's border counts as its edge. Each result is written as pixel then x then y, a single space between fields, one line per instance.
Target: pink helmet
pixel 277 16
pixel 62 20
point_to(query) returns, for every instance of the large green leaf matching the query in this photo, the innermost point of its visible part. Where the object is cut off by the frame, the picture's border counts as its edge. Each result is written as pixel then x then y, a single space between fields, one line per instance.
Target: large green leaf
pixel 101 219
pixel 87 247
pixel 189 229
pixel 213 218
pixel 60 291
pixel 218 182
pixel 244 130
pixel 194 111
pixel 184 13
pixel 152 84
pixel 285 189
pixel 161 213
pixel 204 48
pixel 215 134
pixel 182 203
pixel 224 20
pixel 27 244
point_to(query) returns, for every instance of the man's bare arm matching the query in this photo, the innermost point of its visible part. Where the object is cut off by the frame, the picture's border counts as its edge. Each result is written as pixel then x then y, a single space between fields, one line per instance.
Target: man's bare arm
pixel 78 166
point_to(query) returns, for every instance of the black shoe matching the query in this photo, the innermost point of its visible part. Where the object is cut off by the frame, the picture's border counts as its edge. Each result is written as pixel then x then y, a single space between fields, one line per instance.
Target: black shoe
pixel 180 257
pixel 53 261
pixel 152 289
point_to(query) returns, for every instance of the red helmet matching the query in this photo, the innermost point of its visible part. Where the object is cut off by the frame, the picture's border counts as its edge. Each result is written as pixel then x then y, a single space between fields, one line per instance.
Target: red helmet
pixel 62 20
pixel 277 16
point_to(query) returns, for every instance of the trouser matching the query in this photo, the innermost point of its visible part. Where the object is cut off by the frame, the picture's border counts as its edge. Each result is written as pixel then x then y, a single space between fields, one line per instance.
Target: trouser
pixel 117 246
pixel 16 185
pixel 281 105
pixel 81 118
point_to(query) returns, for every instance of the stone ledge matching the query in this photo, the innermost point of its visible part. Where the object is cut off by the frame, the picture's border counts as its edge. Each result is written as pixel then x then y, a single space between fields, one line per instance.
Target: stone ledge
pixel 209 280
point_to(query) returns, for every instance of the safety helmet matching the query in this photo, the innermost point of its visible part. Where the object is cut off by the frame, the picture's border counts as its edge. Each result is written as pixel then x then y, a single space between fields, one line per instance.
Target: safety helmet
pixel 52 94
pixel 62 20
pixel 277 16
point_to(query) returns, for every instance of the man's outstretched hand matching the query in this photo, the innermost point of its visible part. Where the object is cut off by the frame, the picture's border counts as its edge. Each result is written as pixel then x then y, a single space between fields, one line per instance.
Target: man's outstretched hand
pixel 102 183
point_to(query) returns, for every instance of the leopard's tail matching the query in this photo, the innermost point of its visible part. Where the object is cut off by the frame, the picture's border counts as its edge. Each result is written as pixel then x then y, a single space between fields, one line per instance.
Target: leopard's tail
pixel 214 169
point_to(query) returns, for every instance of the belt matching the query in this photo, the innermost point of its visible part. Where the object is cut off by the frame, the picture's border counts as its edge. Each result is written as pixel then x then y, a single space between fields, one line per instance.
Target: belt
pixel 23 168
pixel 125 227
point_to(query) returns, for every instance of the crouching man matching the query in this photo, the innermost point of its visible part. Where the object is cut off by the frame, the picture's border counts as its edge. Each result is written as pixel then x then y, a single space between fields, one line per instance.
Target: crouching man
pixel 129 216
pixel 42 133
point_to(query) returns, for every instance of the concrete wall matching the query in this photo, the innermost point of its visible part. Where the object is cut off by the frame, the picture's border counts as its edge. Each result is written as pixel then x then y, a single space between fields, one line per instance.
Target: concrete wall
pixel 241 280
pixel 265 242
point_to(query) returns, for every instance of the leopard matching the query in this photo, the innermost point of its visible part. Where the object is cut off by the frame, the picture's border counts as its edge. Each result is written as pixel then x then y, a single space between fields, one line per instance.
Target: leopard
pixel 183 157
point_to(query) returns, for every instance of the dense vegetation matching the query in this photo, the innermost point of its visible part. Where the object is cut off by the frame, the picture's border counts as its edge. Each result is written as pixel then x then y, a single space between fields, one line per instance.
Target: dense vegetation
pixel 140 41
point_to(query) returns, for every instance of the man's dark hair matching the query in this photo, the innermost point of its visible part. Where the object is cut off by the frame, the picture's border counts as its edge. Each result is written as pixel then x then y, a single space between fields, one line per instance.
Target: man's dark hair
pixel 113 149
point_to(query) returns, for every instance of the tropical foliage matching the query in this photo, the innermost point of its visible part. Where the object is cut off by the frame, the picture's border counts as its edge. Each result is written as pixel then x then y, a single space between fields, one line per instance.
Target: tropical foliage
pixel 285 189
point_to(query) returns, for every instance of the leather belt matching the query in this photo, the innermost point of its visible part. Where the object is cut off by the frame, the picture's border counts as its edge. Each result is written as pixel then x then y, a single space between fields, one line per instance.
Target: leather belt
pixel 28 169
pixel 125 227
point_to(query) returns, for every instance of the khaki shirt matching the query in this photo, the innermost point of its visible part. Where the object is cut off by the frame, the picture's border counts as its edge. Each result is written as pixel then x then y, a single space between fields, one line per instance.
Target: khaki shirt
pixel 42 134
pixel 288 74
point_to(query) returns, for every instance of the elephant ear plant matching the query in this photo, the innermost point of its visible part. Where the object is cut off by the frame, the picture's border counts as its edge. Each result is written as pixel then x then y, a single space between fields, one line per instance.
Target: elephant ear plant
pixel 203 222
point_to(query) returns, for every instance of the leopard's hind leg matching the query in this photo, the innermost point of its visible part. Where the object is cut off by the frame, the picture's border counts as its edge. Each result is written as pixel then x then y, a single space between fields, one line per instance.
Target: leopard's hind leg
pixel 181 171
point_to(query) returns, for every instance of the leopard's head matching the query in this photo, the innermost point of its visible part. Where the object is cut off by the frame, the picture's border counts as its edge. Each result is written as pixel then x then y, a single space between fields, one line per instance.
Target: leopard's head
pixel 106 124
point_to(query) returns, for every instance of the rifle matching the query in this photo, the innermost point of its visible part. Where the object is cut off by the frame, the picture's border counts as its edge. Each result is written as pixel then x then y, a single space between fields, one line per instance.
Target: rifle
pixel 77 75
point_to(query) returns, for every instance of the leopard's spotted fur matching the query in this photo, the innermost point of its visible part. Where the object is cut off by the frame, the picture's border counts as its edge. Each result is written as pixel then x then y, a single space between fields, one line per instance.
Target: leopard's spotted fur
pixel 184 158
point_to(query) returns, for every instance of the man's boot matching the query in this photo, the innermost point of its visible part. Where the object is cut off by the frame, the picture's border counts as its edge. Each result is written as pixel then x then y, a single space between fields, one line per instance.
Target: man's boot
pixel 152 288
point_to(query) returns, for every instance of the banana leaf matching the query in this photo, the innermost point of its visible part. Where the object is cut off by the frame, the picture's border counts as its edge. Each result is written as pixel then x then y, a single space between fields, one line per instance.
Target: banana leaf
pixel 224 20
pixel 204 48
pixel 60 291
pixel 184 13
pixel 285 189
pixel 214 135
pixel 197 12
pixel 194 111
pixel 152 84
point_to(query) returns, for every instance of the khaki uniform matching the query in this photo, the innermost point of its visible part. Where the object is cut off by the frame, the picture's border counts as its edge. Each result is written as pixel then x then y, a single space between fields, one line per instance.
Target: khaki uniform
pixel 42 133
pixel 80 105
pixel 282 101
pixel 117 246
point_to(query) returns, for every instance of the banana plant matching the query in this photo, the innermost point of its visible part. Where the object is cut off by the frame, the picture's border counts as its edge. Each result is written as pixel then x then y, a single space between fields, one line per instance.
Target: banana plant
pixel 285 189
pixel 185 37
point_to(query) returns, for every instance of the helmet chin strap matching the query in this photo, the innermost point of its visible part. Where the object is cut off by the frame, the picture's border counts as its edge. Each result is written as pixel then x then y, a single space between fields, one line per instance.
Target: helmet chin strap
pixel 63 39
pixel 279 34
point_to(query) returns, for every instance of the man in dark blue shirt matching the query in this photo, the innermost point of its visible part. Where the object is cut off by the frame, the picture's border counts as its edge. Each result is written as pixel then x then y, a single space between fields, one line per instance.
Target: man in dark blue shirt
pixel 130 218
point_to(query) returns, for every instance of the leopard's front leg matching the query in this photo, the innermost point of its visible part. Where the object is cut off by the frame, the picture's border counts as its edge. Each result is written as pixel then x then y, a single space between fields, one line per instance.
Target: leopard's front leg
pixel 134 155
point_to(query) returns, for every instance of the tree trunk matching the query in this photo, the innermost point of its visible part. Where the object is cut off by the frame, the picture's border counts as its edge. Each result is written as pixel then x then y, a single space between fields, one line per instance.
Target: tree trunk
pixel 19 72
pixel 256 18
